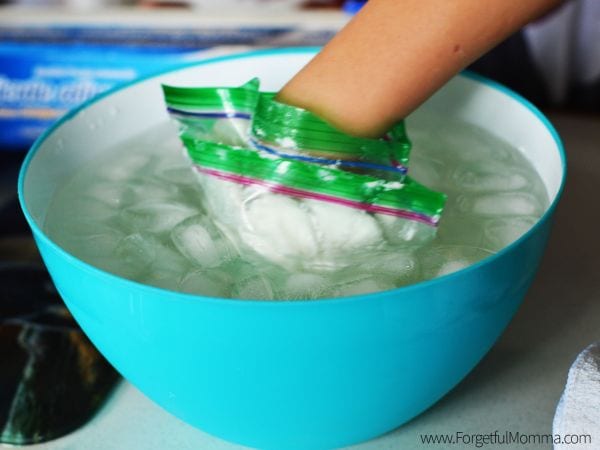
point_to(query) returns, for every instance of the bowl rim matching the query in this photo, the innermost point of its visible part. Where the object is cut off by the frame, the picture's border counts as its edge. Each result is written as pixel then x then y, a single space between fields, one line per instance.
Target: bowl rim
pixel 171 295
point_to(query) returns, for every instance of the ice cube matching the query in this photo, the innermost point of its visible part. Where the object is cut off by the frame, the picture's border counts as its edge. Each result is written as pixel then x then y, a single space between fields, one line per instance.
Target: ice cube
pixel 212 283
pixel 503 204
pixel 399 263
pixel 132 256
pixel 181 175
pixel 471 143
pixel 399 231
pixel 358 285
pixel 303 285
pixel 155 216
pixel 168 259
pixel 99 244
pixel 429 172
pixel 504 178
pixel 90 209
pixel 126 167
pixel 77 217
pixel 106 192
pixel 257 287
pixel 80 221
pixel 452 266
pixel 459 229
pixel 438 260
pixel 201 242
pixel 144 189
pixel 250 264
pixel 168 266
pixel 164 280
pixel 498 233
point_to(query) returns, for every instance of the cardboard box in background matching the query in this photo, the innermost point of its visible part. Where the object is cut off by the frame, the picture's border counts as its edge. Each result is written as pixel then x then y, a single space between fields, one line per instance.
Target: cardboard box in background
pixel 45 70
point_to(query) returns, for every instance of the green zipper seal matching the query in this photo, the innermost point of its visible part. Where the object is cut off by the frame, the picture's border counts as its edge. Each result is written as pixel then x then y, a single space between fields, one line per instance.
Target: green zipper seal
pixel 243 98
pixel 292 128
pixel 405 198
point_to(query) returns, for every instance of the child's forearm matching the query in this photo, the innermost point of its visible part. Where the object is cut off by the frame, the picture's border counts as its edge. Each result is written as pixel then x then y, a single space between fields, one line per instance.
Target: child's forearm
pixel 396 53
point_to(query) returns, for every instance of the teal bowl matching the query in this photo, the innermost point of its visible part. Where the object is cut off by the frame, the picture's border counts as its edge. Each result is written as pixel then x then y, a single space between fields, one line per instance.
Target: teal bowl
pixel 279 374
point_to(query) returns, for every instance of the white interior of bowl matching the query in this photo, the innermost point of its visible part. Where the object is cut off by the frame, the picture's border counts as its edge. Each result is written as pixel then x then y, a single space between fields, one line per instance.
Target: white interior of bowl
pixel 127 112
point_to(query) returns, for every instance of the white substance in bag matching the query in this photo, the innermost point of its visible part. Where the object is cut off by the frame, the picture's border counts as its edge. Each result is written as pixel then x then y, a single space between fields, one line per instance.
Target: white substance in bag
pixel 298 233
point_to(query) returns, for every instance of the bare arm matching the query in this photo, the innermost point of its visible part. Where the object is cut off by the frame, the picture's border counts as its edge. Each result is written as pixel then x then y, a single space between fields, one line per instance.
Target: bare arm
pixel 395 53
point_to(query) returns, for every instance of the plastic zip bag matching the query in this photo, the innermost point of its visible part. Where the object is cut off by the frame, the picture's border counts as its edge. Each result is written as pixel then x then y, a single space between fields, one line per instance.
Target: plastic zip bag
pixel 217 114
pixel 295 133
pixel 296 191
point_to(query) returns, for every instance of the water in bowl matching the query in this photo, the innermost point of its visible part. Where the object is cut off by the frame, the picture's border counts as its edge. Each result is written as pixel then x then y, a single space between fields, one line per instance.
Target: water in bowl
pixel 138 212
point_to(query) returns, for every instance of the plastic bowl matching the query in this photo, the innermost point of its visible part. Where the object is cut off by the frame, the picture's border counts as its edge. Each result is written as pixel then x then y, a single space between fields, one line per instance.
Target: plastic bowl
pixel 302 374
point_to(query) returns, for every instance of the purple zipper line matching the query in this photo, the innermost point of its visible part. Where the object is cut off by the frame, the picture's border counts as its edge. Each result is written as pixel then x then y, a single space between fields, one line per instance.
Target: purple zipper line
pixel 241 179
pixel 210 115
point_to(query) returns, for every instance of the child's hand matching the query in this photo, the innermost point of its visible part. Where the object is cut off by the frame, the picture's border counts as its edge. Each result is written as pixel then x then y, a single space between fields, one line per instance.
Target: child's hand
pixel 395 53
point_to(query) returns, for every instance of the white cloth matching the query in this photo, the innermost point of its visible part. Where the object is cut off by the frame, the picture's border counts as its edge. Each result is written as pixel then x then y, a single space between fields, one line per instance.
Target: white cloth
pixel 565 46
pixel 578 410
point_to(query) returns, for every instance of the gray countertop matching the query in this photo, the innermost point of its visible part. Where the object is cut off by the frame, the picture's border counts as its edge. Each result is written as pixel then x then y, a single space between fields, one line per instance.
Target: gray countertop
pixel 517 385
